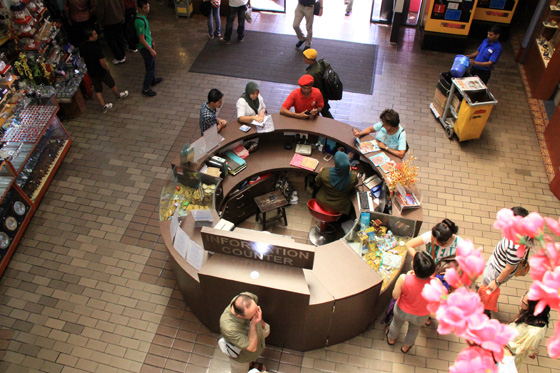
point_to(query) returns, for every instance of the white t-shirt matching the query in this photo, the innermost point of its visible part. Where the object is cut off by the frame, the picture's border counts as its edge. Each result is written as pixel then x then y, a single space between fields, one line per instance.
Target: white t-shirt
pixel 243 108
pixel 236 3
pixel 441 251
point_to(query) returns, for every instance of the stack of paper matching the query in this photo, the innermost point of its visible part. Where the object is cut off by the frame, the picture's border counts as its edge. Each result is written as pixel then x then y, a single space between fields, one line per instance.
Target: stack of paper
pixel 240 151
pixel 235 163
pixel 306 163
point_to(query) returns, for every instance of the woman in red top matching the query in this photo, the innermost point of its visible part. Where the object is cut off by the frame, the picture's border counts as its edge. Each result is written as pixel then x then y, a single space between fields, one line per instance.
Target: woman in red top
pixel 410 305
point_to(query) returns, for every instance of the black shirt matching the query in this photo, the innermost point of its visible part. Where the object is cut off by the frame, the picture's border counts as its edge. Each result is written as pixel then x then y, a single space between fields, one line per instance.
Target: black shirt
pixel 92 53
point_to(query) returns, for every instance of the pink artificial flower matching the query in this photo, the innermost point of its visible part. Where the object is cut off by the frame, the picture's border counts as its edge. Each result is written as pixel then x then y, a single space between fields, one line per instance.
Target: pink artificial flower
pixel 509 224
pixel 472 264
pixel 520 251
pixel 545 259
pixel 465 248
pixel 546 291
pixel 553 344
pixel 553 225
pixel 491 335
pixel 532 225
pixel 434 293
pixel 453 314
pixel 474 360
pixel 452 277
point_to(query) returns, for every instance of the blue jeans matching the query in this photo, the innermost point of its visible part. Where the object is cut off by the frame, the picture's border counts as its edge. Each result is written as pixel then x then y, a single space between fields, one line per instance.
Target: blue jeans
pixel 240 12
pixel 150 65
pixel 214 13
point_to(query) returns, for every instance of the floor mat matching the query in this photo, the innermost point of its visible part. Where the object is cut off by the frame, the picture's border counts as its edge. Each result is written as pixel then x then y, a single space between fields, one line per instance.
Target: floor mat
pixel 274 58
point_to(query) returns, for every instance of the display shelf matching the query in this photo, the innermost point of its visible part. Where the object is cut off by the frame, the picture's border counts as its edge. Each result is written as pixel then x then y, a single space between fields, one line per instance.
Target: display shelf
pixel 37 146
pixel 542 63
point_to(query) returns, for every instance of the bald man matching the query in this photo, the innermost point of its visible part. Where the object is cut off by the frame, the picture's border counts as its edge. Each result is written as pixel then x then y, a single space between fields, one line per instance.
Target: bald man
pixel 241 325
pixel 306 100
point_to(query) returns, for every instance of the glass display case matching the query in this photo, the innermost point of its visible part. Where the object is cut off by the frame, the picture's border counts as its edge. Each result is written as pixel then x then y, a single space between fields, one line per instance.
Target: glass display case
pixel 549 37
pixel 187 191
pixel 31 149
pixel 380 240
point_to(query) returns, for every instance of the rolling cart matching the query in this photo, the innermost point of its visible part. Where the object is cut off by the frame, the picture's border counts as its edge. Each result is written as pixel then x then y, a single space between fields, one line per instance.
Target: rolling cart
pixel 466 116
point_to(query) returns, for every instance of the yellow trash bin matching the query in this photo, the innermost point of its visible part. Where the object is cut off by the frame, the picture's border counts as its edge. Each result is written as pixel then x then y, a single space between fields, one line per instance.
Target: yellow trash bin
pixel 473 114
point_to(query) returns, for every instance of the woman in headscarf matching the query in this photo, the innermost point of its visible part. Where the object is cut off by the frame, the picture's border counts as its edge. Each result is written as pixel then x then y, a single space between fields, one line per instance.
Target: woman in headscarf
pixel 336 185
pixel 250 105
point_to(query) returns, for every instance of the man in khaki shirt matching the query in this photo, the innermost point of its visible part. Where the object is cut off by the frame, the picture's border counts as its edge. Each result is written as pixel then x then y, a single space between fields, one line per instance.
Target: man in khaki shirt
pixel 241 324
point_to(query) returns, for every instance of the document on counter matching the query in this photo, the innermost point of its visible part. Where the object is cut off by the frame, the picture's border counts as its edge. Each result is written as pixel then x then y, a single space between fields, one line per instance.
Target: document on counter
pixel 199 151
pixel 211 138
pixel 182 242
pixel 174 224
pixel 268 125
pixel 195 256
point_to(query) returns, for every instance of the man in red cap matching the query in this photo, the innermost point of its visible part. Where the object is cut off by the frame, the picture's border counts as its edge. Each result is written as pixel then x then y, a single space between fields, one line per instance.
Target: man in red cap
pixel 306 100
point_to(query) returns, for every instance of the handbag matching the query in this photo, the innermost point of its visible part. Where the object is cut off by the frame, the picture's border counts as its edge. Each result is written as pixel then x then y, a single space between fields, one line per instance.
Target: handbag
pixel 228 349
pixel 523 267
pixel 317 8
pixel 490 301
pixel 249 14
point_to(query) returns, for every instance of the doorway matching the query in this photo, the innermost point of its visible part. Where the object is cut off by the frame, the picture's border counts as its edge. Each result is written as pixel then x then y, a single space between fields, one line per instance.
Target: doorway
pixel 382 11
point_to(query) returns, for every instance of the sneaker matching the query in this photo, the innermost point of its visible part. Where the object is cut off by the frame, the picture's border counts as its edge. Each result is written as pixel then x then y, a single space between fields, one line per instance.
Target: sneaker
pixel 118 62
pixel 300 43
pixel 240 40
pixel 133 50
pixel 157 81
pixel 123 95
pixel 224 41
pixel 106 107
pixel 210 36
pixel 306 48
pixel 149 92
pixel 218 35
pixel 347 14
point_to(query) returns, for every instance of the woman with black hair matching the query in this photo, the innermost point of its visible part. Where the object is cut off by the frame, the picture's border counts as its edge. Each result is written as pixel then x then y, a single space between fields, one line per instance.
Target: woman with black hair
pixel 440 243
pixel 410 306
pixel 531 330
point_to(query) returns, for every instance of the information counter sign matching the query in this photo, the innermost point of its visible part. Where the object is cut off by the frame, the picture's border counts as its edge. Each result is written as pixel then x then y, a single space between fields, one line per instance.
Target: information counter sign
pixel 258 246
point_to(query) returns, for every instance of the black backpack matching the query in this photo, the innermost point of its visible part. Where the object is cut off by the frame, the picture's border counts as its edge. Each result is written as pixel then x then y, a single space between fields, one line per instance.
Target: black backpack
pixel 332 86
pixel 131 29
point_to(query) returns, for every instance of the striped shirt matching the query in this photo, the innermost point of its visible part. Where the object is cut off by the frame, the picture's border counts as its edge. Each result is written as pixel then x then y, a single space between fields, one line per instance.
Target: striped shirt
pixel 504 253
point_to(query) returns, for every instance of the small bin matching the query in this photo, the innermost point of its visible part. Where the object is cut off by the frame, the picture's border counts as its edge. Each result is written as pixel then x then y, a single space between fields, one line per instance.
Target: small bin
pixel 183 8
pixel 473 114
pixel 460 66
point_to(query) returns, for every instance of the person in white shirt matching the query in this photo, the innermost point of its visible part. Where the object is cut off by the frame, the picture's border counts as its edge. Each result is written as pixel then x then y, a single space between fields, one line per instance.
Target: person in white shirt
pixel 236 8
pixel 250 106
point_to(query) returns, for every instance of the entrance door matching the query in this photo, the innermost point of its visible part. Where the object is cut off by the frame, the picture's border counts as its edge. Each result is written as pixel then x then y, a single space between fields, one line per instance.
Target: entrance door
pixel 382 11
pixel 278 6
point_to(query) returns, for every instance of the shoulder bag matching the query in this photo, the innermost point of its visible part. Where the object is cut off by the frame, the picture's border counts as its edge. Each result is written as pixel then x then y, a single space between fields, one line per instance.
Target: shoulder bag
pixel 228 349
pixel 444 263
pixel 523 267
pixel 249 14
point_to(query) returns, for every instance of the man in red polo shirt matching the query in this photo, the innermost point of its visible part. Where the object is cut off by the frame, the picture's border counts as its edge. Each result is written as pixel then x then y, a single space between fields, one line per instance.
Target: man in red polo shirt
pixel 306 100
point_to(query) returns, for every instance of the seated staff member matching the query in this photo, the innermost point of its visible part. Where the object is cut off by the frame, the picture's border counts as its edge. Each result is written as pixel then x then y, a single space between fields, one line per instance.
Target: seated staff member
pixel 208 117
pixel 250 106
pixel 391 137
pixel 336 185
pixel 306 100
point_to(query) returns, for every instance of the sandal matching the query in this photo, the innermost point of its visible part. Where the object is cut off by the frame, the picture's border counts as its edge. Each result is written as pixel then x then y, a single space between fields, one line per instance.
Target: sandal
pixel 405 351
pixel 387 337
pixel 428 322
pixel 259 366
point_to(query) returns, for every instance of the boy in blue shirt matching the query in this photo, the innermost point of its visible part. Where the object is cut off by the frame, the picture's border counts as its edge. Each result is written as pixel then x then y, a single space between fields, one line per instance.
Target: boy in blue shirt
pixel 390 137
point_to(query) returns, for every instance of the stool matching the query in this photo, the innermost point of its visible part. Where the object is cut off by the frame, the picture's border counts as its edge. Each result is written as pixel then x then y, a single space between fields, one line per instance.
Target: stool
pixel 322 233
pixel 268 202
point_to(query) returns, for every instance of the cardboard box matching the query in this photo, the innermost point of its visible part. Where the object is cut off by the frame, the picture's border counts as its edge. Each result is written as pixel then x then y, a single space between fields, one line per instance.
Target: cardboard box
pixel 441 99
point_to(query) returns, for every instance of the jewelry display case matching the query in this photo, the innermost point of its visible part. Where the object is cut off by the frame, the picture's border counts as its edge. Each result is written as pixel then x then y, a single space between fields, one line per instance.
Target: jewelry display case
pixel 31 149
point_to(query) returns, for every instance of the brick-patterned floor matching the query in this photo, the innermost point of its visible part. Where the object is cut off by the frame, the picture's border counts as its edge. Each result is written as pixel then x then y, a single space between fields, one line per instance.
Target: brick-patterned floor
pixel 90 289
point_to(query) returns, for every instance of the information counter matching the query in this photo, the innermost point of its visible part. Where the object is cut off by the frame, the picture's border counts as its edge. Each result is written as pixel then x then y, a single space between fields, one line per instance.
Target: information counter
pixel 311 296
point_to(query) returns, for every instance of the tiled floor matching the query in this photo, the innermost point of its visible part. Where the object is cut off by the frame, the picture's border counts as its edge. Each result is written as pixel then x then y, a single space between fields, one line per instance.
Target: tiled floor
pixel 90 288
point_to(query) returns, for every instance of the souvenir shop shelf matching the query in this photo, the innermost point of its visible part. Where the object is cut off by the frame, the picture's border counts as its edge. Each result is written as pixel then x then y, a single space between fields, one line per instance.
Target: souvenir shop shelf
pixel 380 240
pixel 543 59
pixel 32 149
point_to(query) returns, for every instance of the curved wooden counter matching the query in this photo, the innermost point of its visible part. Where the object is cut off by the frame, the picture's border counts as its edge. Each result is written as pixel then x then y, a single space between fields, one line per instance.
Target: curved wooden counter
pixel 307 308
